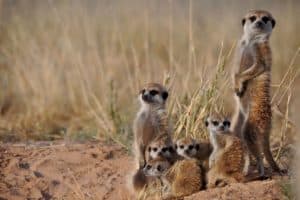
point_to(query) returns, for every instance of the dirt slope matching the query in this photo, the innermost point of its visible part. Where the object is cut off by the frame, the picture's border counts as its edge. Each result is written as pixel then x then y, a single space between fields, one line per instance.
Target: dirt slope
pixel 90 171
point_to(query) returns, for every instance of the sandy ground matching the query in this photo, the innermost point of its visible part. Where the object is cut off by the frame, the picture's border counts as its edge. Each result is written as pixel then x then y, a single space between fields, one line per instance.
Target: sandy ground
pixel 90 171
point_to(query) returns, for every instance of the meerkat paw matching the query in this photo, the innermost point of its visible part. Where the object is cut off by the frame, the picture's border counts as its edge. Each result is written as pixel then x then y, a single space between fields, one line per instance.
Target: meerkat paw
pixel 240 86
pixel 221 183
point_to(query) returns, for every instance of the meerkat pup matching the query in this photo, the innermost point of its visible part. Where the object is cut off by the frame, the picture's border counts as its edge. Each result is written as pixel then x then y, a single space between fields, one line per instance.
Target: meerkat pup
pixel 151 120
pixel 226 162
pixel 190 148
pixel 252 77
pixel 162 146
pixel 179 180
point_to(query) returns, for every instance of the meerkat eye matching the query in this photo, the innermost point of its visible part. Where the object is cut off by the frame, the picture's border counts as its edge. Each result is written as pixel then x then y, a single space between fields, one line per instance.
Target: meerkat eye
pixel 153 92
pixel 165 95
pixel 252 19
pixel 265 19
pixel 197 147
pixel 215 123
pixel 149 149
pixel 164 149
pixel 159 168
pixel 171 149
pixel 191 147
pixel 206 123
pixel 181 146
pixel 148 167
pixel 226 123
pixel 154 149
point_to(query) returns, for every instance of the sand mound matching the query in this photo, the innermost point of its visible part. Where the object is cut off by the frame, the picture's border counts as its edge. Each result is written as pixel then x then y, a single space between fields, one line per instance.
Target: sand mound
pixel 90 171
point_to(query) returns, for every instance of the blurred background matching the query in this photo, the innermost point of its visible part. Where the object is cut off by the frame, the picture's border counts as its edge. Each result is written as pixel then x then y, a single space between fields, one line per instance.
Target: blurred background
pixel 72 69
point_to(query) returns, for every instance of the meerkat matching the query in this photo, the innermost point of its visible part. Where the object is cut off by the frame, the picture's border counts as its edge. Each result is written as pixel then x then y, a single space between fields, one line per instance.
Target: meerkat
pixel 226 162
pixel 162 146
pixel 151 120
pixel 190 148
pixel 180 179
pixel 252 77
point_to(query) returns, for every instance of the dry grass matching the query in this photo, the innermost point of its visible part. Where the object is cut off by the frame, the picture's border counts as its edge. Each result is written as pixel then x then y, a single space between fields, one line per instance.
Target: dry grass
pixel 72 69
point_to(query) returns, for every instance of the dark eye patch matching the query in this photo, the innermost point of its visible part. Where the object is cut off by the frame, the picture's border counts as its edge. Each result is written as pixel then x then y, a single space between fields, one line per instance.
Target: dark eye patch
pixel 197 147
pixel 252 19
pixel 159 168
pixel 206 123
pixel 171 149
pixel 226 123
pixel 175 146
pixel 265 19
pixel 153 92
pixel 215 123
pixel 149 149
pixel 181 146
pixel 191 147
pixel 164 149
pixel 154 149
pixel 165 95
pixel 148 167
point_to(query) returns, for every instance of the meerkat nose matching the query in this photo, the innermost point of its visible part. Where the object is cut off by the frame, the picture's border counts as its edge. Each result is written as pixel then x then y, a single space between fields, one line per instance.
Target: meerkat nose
pixel 259 24
pixel 222 128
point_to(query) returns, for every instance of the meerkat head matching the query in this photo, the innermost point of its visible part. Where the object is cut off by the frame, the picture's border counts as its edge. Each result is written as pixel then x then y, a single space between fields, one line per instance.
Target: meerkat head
pixel 187 147
pixel 216 124
pixel 157 167
pixel 258 22
pixel 161 146
pixel 153 94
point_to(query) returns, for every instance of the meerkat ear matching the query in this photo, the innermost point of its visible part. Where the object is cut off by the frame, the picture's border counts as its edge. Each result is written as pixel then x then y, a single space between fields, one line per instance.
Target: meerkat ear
pixel 273 23
pixel 243 21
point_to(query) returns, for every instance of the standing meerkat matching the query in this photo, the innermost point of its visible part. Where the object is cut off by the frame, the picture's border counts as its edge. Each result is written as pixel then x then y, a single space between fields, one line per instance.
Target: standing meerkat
pixel 151 120
pixel 190 148
pixel 252 77
pixel 226 162
pixel 180 179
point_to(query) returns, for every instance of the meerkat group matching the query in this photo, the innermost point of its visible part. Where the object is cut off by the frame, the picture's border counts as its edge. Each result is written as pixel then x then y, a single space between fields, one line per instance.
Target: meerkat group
pixel 185 166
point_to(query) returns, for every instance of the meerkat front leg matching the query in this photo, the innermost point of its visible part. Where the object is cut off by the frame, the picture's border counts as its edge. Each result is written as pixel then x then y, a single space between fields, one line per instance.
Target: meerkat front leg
pixel 141 156
pixel 242 78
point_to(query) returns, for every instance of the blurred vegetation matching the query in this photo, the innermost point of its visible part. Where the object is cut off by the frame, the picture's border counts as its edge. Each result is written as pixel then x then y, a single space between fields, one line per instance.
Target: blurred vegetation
pixel 72 69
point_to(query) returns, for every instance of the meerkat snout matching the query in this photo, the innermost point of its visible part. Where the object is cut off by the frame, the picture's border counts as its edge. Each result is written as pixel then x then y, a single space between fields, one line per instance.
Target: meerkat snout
pixel 153 94
pixel 258 22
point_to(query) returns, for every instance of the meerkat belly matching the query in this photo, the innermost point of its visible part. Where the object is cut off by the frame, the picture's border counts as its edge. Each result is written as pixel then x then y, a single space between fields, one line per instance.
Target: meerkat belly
pixel 148 130
pixel 260 107
pixel 247 59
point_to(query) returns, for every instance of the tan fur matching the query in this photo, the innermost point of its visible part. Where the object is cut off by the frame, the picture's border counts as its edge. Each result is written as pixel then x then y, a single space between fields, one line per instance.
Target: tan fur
pixel 150 122
pixel 201 153
pixel 227 160
pixel 161 141
pixel 181 179
pixel 252 77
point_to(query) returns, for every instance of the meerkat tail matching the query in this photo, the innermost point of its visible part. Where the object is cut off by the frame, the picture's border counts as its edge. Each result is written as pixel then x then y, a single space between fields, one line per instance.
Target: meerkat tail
pixel 269 156
pixel 139 181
